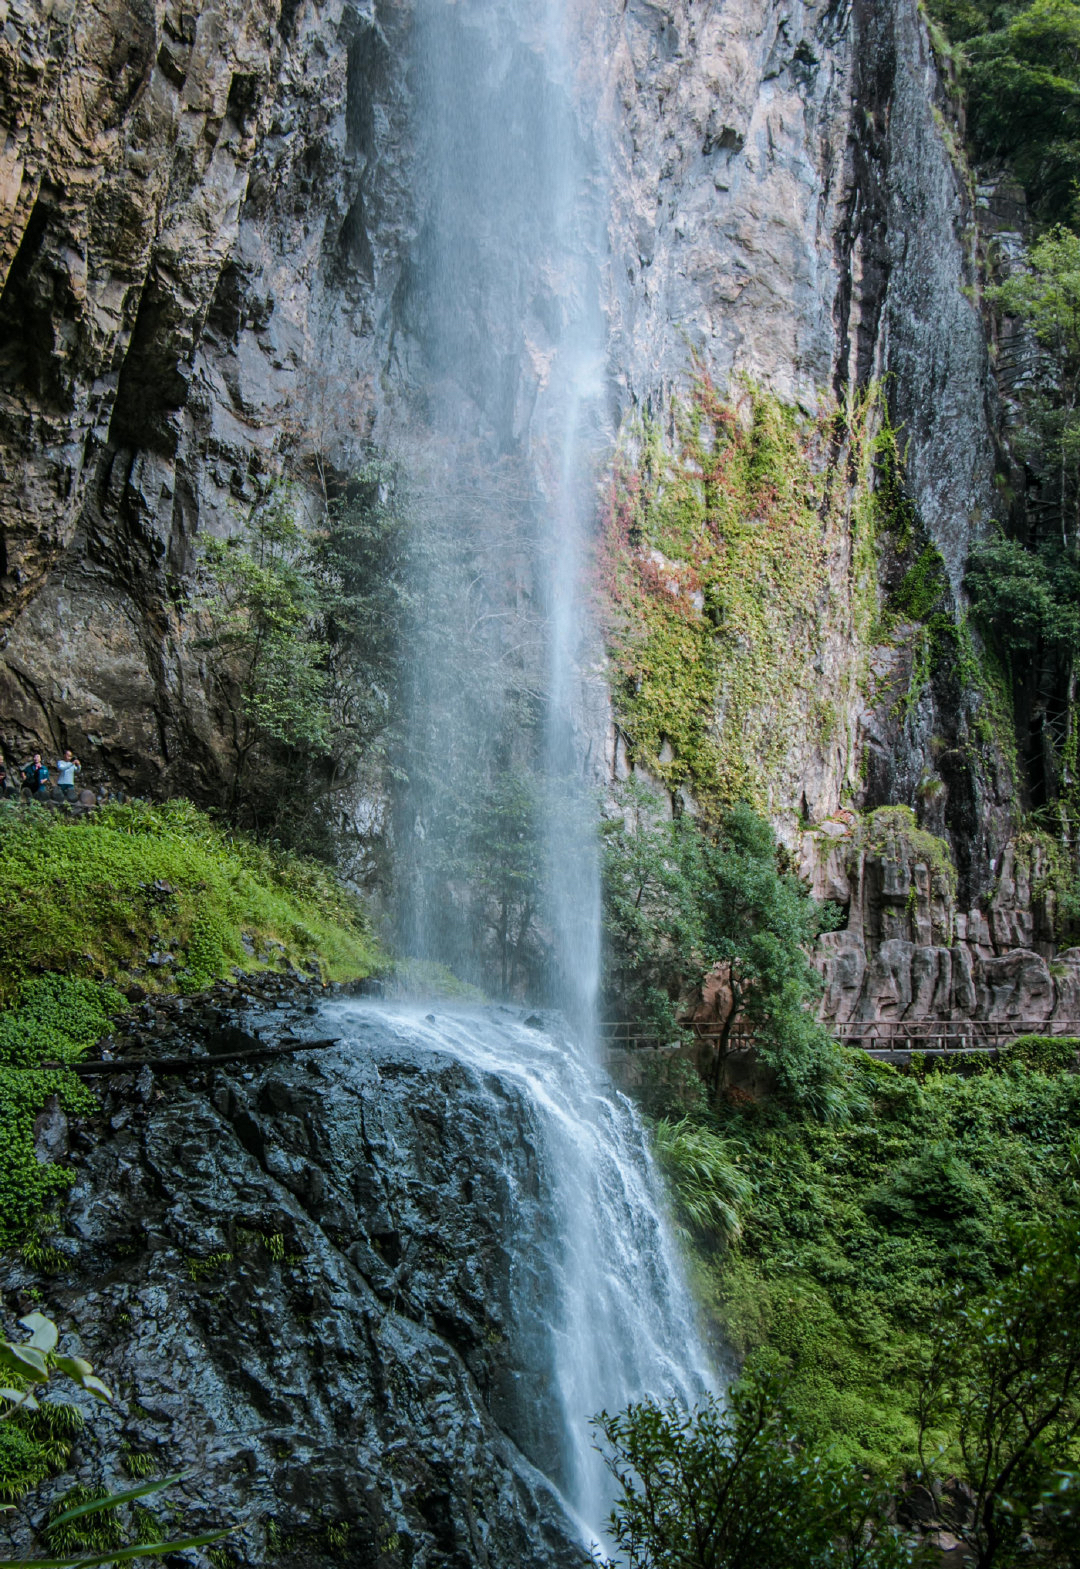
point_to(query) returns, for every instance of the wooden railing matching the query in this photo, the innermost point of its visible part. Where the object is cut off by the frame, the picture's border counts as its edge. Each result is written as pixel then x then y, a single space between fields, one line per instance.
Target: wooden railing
pixel 874 1035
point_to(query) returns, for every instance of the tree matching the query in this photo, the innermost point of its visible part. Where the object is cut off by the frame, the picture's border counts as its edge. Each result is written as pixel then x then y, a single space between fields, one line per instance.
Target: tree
pixel 301 625
pixel 1022 72
pixel 1046 297
pixel 732 1487
pixel 652 950
pixel 682 901
pixel 1026 592
pixel 1002 1395
pixel 261 612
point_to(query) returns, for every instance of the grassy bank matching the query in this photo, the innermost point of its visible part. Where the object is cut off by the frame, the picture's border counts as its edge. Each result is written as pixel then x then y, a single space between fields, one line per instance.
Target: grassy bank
pixel 855 1234
pixel 154 896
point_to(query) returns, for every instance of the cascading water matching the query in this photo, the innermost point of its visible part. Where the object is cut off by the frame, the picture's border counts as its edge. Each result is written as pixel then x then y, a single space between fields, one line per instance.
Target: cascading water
pixel 503 421
pixel 600 1312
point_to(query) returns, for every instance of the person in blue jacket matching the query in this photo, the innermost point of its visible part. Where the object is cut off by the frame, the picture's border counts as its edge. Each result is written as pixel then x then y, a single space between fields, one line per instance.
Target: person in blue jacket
pixel 35 774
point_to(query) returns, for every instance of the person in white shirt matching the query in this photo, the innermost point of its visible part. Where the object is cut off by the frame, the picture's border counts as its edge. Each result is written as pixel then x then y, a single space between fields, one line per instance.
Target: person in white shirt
pixel 66 769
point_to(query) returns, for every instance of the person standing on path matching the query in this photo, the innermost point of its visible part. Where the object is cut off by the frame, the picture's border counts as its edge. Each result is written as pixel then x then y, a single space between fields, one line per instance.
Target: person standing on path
pixel 66 769
pixel 35 774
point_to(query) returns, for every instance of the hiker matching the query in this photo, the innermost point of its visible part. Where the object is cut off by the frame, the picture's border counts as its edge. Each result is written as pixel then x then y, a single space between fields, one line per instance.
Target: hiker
pixel 66 769
pixel 35 775
pixel 8 787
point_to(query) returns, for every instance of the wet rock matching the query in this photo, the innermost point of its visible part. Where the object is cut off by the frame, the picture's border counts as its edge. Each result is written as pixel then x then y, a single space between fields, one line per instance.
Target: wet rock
pixel 312 1275
pixel 51 1132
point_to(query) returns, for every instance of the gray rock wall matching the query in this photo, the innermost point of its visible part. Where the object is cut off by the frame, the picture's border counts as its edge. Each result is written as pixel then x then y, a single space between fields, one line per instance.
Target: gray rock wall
pixel 214 222
pixel 298 1280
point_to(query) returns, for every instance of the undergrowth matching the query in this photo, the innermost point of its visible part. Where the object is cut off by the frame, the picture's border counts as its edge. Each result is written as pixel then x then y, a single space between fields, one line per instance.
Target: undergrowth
pixel 854 1233
pixel 154 892
pixel 94 898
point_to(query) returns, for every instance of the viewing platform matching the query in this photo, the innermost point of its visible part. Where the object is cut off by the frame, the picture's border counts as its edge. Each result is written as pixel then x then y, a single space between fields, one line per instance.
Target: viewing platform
pixel 889 1040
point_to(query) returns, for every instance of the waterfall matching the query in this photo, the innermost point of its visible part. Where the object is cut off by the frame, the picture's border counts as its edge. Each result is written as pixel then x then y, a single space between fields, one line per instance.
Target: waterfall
pixel 600 1312
pixel 503 420
pixel 503 414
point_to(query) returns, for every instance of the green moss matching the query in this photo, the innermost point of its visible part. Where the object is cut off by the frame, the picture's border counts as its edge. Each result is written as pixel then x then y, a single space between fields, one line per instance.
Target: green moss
pixel 717 570
pixel 891 827
pixel 83 904
pixel 924 588
pixel 139 878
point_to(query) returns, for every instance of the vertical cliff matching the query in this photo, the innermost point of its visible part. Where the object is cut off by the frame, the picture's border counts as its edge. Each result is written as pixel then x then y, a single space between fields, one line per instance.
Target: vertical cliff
pixel 214 240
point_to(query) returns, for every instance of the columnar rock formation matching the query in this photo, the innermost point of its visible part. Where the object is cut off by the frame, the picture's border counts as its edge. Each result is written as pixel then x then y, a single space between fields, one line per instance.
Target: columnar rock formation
pixel 909 952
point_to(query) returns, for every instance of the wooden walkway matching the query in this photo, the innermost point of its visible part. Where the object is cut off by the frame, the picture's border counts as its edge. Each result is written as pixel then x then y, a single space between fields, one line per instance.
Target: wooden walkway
pixel 879 1037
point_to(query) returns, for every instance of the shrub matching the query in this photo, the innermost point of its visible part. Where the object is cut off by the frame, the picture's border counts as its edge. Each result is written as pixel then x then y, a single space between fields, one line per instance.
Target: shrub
pixel 1046 1053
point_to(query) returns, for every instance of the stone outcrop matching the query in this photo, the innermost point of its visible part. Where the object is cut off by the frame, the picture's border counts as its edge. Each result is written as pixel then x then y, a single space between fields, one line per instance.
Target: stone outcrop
pixel 215 229
pixel 908 953
pixel 294 1273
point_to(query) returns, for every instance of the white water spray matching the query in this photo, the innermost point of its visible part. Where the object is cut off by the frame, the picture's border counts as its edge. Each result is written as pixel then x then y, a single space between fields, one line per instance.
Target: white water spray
pixel 604 1318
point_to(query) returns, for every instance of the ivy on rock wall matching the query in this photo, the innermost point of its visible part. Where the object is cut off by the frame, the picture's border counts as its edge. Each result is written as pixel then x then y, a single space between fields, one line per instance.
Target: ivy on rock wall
pixel 738 568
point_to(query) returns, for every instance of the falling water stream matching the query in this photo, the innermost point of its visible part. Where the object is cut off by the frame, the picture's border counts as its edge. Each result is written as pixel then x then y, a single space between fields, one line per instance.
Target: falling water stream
pixel 502 306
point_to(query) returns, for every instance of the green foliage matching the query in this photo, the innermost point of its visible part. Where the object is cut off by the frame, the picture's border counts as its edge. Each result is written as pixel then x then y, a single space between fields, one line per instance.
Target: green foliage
pixel 1048 1054
pixel 300 621
pixel 704 1172
pixel 260 614
pixel 856 1232
pixel 1021 72
pixel 1025 599
pixel 140 878
pixel 715 568
pixel 681 901
pixel 35 1440
pixel 36 1433
pixel 924 587
pixel 29 1186
pixel 95 896
pixel 734 1485
pixel 501 856
pixel 1023 88
pixel 97 1532
pixel 1003 1386
pixel 55 1018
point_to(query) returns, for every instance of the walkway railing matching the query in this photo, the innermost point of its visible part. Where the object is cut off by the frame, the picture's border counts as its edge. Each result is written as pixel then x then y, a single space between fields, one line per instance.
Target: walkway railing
pixel 874 1035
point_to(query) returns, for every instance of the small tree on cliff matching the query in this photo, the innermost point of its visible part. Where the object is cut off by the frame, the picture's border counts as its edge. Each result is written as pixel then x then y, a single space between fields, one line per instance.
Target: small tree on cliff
pixel 301 628
pixel 683 901
pixel 262 610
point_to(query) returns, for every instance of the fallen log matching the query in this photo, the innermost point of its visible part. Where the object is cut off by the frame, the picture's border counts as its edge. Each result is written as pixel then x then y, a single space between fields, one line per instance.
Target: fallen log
pixel 90 1070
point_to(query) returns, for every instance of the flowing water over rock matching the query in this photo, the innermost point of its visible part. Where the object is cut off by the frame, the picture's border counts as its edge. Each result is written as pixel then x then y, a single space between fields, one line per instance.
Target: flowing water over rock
pixel 381 1285
pixel 599 1314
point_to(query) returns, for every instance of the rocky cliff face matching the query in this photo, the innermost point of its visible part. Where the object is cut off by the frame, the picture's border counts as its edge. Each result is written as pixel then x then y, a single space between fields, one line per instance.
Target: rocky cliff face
pixel 910 952
pixel 214 228
pixel 214 220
